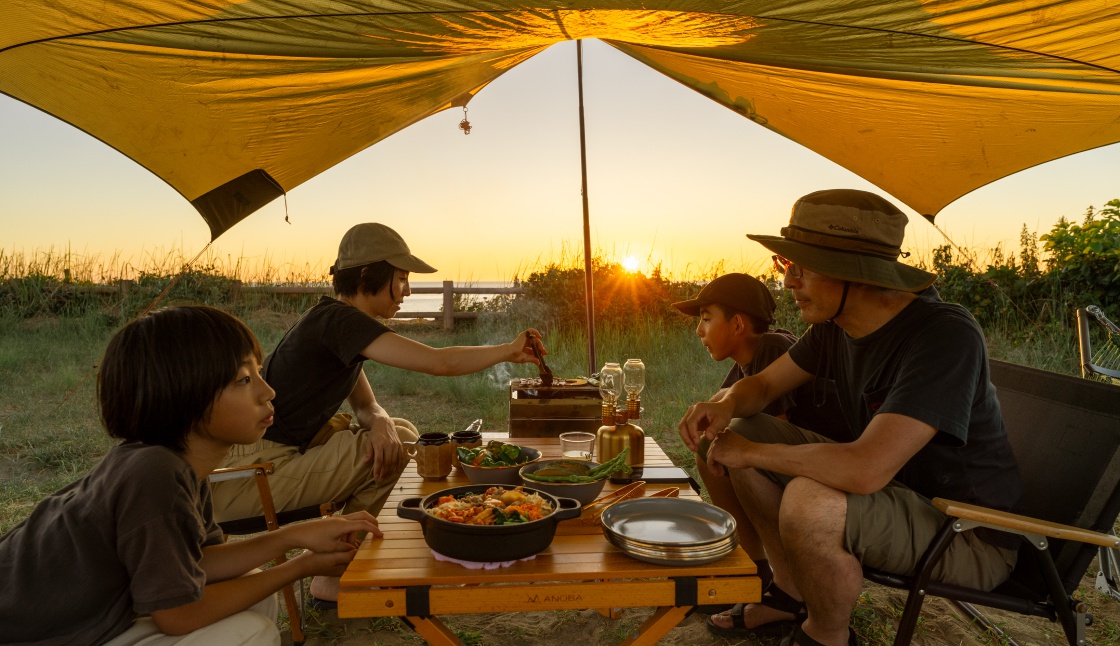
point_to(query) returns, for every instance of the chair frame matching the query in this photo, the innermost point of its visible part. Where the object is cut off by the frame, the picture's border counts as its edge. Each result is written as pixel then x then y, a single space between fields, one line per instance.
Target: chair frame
pixel 1108 560
pixel 1088 368
pixel 271 521
pixel 1057 604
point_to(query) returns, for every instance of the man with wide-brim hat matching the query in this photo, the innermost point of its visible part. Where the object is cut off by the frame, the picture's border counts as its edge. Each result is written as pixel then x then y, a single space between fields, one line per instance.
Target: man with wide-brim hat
pixel 321 455
pixel 912 378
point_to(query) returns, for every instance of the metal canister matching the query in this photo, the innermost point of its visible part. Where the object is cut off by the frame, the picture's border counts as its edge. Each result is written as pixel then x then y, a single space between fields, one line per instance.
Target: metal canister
pixel 612 439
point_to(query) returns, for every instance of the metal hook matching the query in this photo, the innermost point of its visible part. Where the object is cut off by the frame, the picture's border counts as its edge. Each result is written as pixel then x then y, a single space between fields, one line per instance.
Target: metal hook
pixel 465 125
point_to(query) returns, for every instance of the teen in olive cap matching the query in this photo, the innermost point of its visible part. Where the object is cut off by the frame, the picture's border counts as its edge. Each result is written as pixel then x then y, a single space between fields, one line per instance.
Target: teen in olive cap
pixel 320 454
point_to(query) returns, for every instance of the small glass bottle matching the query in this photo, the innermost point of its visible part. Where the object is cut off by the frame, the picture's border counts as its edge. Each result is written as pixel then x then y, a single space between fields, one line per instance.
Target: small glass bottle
pixel 613 439
pixel 634 379
pixel 610 383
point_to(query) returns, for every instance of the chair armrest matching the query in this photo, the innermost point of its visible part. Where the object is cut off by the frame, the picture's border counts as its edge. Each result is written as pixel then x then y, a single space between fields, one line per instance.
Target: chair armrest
pixel 238 473
pixel 1006 521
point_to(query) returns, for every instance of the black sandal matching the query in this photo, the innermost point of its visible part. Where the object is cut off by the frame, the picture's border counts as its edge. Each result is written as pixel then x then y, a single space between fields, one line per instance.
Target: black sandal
pixel 775 598
pixel 799 637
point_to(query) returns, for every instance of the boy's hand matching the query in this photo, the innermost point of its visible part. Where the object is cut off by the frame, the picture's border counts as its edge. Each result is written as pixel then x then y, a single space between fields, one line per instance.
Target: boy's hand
pixel 334 534
pixel 332 564
pixel 706 418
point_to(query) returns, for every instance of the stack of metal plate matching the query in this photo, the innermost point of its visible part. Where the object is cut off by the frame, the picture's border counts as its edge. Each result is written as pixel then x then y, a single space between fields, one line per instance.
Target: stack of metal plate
pixel 670 531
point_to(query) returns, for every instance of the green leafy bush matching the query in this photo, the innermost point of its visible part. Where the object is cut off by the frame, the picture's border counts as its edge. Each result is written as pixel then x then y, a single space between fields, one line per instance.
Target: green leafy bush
pixel 1085 258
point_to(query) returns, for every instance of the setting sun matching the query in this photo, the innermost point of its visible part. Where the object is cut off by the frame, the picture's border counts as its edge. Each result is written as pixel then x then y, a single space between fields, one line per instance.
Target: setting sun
pixel 630 264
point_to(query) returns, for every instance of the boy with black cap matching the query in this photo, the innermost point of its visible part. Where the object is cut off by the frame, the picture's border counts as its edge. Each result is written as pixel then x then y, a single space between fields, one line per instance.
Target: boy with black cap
pixel 912 377
pixel 736 312
pixel 319 455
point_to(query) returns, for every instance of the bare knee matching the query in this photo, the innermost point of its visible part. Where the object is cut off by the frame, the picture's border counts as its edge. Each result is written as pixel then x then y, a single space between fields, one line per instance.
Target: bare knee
pixel 810 508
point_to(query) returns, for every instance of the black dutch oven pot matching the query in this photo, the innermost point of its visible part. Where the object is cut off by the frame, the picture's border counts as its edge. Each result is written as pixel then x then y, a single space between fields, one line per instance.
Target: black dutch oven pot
pixel 486 543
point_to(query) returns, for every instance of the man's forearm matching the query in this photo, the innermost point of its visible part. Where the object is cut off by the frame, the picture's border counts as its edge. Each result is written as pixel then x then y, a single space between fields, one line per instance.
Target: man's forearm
pixel 747 397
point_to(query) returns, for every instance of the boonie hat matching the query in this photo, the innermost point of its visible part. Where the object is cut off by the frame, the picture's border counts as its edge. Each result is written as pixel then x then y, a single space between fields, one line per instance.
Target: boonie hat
pixel 372 242
pixel 850 235
pixel 740 292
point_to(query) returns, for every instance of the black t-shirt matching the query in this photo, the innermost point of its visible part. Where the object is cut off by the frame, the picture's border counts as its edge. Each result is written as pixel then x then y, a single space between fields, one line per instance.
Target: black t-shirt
pixel 123 541
pixel 929 363
pixel 812 406
pixel 315 366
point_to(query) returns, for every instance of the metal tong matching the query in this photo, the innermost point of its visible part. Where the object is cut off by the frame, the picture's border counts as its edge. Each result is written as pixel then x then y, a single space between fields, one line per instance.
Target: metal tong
pixel 538 352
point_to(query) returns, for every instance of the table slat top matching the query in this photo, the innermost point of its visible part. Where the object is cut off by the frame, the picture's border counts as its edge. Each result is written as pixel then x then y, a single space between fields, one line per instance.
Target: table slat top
pixel 580 551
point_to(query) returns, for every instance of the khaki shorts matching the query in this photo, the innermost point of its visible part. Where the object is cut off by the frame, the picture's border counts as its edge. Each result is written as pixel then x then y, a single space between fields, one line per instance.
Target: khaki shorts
pixel 333 471
pixel 890 529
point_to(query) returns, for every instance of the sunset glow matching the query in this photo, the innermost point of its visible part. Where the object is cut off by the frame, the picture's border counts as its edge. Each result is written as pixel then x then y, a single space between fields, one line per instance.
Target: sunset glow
pixel 630 264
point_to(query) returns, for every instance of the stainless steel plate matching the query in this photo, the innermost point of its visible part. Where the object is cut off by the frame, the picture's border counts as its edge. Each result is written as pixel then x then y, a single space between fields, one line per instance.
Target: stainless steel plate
pixel 662 556
pixel 670 522
pixel 670 531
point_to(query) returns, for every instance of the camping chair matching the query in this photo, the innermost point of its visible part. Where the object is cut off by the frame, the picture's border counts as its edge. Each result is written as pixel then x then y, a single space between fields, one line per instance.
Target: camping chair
pixel 1065 433
pixel 1102 365
pixel 271 521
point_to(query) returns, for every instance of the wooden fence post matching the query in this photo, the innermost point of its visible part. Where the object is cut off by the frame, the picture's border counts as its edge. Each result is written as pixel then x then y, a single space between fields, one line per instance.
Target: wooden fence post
pixel 448 305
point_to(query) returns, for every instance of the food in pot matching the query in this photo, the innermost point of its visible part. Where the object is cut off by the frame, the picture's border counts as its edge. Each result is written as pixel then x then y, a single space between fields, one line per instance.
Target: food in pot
pixel 494 454
pixel 495 506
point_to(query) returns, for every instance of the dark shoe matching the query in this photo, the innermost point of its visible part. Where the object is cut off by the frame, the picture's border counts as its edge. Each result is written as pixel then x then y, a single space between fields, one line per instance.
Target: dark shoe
pixel 799 638
pixel 775 598
pixel 322 605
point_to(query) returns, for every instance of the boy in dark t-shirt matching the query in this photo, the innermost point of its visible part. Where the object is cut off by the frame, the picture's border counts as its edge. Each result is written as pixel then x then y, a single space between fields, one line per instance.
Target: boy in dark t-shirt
pixel 130 554
pixel 736 312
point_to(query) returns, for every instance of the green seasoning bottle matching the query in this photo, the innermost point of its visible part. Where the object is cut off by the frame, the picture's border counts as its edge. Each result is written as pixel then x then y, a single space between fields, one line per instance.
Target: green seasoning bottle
pixel 616 435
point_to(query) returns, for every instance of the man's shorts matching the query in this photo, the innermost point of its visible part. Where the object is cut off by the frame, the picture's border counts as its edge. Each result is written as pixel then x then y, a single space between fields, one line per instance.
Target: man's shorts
pixel 890 529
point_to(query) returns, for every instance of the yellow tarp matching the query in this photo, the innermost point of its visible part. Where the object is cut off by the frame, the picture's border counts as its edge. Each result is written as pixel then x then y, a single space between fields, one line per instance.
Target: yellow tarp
pixel 233 103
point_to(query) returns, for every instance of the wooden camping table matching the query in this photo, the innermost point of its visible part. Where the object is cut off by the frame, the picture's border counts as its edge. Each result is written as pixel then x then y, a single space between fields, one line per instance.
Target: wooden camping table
pixel 397 576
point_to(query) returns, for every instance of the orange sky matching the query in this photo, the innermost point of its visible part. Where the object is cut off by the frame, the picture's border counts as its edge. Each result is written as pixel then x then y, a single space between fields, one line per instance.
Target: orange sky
pixel 674 178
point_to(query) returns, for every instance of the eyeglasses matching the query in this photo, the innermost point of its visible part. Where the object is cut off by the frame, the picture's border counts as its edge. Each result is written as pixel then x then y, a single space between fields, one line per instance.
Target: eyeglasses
pixel 785 266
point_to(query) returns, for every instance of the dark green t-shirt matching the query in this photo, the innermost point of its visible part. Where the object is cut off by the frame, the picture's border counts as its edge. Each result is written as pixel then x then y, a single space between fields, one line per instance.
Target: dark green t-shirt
pixel 314 368
pixel 123 541
pixel 929 363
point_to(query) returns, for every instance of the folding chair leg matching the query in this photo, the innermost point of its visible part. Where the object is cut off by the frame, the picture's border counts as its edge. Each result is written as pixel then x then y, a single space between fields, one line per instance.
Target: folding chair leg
pixel 922 573
pixel 295 614
pixel 1071 612
pixel 1108 575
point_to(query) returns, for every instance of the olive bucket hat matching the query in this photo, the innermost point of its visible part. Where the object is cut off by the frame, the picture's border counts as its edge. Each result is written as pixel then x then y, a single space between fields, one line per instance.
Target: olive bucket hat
pixel 849 235
pixel 371 242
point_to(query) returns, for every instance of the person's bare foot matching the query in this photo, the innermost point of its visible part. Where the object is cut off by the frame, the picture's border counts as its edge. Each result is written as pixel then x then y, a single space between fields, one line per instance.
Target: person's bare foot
pixel 325 588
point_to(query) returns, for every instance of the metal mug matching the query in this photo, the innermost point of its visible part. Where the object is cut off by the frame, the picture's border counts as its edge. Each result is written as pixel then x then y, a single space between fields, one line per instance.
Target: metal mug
pixel 467 438
pixel 432 454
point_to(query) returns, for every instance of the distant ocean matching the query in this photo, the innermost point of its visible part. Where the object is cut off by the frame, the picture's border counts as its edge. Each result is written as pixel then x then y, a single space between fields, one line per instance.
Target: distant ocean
pixel 433 302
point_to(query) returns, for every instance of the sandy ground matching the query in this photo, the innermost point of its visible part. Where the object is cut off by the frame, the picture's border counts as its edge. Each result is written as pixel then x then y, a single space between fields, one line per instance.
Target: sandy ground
pixel 874 619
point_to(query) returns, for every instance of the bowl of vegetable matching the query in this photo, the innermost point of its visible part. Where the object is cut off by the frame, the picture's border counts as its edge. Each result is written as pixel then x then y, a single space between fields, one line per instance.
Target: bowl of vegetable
pixel 496 462
pixel 580 479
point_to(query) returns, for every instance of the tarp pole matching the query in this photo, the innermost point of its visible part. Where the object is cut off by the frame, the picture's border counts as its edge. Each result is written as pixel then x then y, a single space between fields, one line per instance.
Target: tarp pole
pixel 589 295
